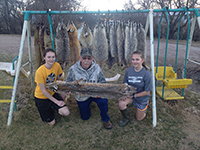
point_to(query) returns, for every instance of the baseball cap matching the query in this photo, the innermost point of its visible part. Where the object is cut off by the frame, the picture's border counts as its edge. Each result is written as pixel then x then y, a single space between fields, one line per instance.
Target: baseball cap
pixel 86 52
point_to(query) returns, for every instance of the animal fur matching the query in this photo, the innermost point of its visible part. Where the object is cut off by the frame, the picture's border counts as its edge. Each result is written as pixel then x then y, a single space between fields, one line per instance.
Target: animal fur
pixel 85 37
pixel 38 56
pixel 127 44
pixel 92 89
pixel 113 42
pixel 41 39
pixel 74 43
pixel 141 37
pixel 100 51
pixel 111 60
pixel 120 43
pixel 47 39
pixel 62 45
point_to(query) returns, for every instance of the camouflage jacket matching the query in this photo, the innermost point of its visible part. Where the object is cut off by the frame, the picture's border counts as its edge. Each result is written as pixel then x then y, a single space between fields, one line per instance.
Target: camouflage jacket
pixel 94 74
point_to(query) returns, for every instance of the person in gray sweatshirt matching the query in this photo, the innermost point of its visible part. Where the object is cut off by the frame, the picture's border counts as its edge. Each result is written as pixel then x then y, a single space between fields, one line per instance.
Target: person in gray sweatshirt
pixel 87 69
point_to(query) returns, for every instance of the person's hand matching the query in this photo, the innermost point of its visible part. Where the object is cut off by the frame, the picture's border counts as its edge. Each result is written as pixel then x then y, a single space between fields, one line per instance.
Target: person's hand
pixel 98 96
pixel 68 93
pixel 60 103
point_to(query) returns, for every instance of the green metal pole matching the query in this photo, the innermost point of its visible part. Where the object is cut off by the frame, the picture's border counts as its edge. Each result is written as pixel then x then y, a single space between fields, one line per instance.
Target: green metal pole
pixel 158 47
pixel 166 11
pixel 177 42
pixel 188 37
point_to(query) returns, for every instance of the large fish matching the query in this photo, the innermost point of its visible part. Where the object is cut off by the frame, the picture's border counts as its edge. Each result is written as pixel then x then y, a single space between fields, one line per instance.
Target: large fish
pixel 38 56
pixel 141 38
pixel 62 45
pixel 74 43
pixel 100 51
pixel 85 37
pixel 120 43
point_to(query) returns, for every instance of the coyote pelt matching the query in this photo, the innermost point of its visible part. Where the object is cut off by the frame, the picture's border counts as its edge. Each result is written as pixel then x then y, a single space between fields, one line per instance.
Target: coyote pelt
pixel 47 39
pixel 62 45
pixel 100 50
pixel 141 37
pixel 120 43
pixel 38 56
pixel 113 42
pixel 74 43
pixel 85 37
pixel 127 45
pixel 78 87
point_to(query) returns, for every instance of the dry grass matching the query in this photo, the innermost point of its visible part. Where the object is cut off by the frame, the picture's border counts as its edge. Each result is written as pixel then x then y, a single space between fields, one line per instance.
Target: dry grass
pixel 177 124
pixel 175 129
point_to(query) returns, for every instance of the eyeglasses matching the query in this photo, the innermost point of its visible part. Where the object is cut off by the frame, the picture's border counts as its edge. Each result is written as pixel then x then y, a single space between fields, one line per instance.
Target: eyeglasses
pixel 88 58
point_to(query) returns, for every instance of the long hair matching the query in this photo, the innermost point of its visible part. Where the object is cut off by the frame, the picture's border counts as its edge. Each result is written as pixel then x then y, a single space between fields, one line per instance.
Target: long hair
pixel 48 50
pixel 142 56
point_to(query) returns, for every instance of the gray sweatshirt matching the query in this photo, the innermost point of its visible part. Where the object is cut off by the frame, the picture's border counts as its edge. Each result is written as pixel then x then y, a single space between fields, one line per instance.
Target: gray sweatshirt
pixel 94 74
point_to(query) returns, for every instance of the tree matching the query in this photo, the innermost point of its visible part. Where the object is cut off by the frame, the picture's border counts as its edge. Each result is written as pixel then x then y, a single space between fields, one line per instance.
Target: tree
pixel 173 16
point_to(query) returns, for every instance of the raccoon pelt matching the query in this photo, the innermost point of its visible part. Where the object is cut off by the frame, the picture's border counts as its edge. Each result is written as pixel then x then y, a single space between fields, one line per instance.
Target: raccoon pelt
pixel 38 56
pixel 120 43
pixel 74 43
pixel 141 38
pixel 62 45
pixel 47 38
pixel 100 50
pixel 86 36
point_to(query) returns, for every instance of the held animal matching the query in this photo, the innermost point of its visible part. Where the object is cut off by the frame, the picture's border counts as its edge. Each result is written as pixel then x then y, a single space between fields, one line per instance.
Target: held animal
pixel 74 43
pixel 62 45
pixel 78 87
pixel 100 51
pixel 85 37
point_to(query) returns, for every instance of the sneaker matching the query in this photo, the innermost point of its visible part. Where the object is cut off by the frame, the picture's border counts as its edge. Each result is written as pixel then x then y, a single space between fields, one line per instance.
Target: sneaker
pixel 107 125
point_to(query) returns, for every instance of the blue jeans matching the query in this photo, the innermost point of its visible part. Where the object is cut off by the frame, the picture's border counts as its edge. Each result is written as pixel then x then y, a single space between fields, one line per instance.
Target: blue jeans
pixel 85 111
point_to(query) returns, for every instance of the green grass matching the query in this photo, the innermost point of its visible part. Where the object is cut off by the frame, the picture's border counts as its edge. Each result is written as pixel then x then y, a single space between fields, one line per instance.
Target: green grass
pixel 28 132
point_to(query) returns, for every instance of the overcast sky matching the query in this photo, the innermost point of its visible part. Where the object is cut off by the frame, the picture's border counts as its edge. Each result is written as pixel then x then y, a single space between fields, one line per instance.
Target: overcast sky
pixel 95 5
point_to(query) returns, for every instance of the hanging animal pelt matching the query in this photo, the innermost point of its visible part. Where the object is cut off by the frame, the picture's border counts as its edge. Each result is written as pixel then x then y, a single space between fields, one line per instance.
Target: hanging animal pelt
pixel 133 44
pixel 62 45
pixel 85 37
pixel 74 43
pixel 111 60
pixel 100 51
pixel 41 39
pixel 47 38
pixel 141 38
pixel 80 88
pixel 120 43
pixel 113 41
pixel 38 56
pixel 127 44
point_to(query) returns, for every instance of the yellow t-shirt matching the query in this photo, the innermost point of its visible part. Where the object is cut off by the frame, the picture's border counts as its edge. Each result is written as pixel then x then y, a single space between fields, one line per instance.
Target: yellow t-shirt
pixel 44 75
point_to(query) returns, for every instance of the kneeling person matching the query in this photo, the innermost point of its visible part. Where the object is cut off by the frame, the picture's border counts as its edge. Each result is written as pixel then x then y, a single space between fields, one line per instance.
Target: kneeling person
pixel 87 69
